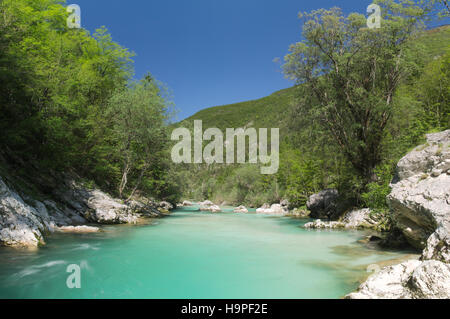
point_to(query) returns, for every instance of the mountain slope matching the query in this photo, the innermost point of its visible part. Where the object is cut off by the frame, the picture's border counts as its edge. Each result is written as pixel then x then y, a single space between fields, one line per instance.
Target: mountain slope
pixel 269 111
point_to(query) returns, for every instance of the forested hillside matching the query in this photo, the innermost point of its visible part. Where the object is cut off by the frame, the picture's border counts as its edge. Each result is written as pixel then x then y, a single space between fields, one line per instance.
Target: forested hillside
pixel 69 104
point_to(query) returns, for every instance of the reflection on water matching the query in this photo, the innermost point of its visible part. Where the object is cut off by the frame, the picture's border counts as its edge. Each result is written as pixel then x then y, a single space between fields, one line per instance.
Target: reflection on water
pixel 194 254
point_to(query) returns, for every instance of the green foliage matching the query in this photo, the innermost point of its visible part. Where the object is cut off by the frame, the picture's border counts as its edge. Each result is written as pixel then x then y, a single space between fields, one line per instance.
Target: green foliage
pixel 375 196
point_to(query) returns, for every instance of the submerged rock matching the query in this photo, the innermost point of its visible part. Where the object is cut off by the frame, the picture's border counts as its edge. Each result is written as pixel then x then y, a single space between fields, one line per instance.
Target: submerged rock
pixel 77 229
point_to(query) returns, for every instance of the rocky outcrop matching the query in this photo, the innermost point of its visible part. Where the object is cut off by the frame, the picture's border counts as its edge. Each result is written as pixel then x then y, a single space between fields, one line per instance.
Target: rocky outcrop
pixel 275 209
pixel 20 224
pixel 412 279
pixel 25 221
pixel 241 209
pixel 144 207
pixel 103 209
pixel 420 205
pixel 165 206
pixel 420 197
pixel 324 204
pixel 438 245
pixel 355 219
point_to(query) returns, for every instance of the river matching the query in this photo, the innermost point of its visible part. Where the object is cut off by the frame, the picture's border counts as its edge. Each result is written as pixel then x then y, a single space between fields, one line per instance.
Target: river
pixel 194 255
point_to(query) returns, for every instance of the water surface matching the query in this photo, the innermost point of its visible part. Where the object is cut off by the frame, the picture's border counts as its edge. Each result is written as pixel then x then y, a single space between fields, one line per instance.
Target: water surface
pixel 194 255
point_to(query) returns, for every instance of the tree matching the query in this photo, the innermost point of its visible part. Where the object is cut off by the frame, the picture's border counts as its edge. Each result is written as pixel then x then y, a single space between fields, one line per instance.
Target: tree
pixel 139 113
pixel 349 75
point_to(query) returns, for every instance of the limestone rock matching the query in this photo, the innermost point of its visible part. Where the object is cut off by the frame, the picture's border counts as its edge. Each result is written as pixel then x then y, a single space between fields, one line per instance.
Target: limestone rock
pixel 241 209
pixel 165 206
pixel 420 205
pixel 144 207
pixel 211 208
pixel 362 218
pixel 299 213
pixel 420 197
pixel 105 210
pixel 412 279
pixel 208 206
pixel 78 229
pixel 275 209
pixel 24 221
pixel 365 218
pixel 318 224
pixel 20 224
pixel 206 203
pixel 438 245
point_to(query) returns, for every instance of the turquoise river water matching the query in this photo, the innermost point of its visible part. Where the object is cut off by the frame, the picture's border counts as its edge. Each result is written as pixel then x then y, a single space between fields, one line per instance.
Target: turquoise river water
pixel 194 255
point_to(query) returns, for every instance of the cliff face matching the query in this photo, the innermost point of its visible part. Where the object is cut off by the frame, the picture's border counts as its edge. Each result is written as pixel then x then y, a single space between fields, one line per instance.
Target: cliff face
pixel 420 198
pixel 25 221
pixel 420 206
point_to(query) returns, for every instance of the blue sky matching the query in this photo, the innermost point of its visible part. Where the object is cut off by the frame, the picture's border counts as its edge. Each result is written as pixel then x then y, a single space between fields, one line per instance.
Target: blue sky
pixel 208 52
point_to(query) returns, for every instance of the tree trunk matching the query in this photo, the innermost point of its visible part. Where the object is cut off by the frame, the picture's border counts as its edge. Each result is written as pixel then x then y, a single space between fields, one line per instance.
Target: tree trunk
pixel 124 181
pixel 138 183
